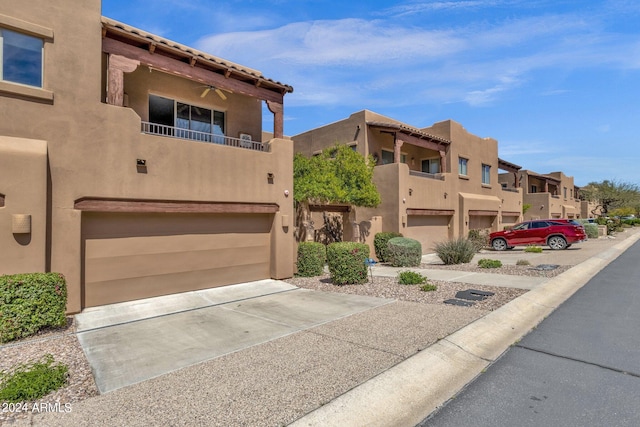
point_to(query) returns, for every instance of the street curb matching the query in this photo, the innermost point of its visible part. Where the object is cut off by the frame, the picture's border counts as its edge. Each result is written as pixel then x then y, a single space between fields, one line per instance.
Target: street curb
pixel 407 393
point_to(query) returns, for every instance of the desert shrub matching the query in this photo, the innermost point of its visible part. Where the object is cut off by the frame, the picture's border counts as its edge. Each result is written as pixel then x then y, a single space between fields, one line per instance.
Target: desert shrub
pixel 347 262
pixel 411 278
pixel 404 252
pixel 533 249
pixel 428 287
pixel 479 238
pixel 489 263
pixel 311 258
pixel 458 251
pixel 28 382
pixel 30 302
pixel 591 230
pixel 523 262
pixel 380 241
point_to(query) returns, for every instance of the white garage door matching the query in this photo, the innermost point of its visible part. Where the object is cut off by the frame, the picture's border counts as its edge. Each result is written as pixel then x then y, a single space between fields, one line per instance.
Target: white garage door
pixel 129 256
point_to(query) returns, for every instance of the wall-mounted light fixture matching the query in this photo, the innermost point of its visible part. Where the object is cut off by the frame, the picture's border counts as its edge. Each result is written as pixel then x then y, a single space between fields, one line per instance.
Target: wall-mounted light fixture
pixel 410 191
pixel 445 194
pixel 270 177
pixel 141 162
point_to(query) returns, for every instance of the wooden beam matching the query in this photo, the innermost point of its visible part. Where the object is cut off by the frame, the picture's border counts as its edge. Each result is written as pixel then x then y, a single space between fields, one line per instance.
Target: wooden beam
pixel 507 213
pixel 431 212
pixel 412 140
pixel 89 204
pixel 168 65
pixel 482 213
pixel 330 208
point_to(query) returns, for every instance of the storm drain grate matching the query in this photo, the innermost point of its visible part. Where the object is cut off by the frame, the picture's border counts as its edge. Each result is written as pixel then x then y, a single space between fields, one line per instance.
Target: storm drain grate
pixel 459 302
pixel 545 267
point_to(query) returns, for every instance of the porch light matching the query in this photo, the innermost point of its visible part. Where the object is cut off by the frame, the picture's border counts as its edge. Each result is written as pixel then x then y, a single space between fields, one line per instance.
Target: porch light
pixel 410 191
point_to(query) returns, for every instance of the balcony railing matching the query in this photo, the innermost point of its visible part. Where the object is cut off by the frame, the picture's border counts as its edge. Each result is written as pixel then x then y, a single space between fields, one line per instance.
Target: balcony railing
pixel 194 135
pixel 437 176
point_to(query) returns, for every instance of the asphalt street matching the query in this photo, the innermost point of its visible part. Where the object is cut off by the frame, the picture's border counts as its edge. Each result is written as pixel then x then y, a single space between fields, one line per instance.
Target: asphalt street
pixel 579 367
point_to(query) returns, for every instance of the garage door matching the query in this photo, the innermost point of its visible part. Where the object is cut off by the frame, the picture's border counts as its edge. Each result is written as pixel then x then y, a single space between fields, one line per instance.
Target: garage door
pixel 129 256
pixel 480 222
pixel 428 230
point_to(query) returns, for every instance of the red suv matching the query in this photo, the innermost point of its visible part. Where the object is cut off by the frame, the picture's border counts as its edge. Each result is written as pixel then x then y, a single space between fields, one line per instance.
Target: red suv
pixel 555 234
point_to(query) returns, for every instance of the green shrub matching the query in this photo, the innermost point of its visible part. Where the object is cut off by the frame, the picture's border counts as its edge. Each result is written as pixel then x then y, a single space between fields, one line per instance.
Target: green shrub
pixel 28 382
pixel 411 278
pixel 523 262
pixel 347 262
pixel 30 302
pixel 428 287
pixel 404 252
pixel 533 249
pixel 489 263
pixel 591 230
pixel 380 241
pixel 458 251
pixel 479 238
pixel 311 258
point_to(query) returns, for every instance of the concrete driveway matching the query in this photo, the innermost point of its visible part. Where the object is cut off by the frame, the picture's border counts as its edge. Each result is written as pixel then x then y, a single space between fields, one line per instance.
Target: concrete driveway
pixel 130 342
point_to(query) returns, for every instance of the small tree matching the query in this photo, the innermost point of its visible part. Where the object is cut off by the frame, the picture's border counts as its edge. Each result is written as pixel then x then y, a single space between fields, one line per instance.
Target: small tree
pixel 338 175
pixel 611 194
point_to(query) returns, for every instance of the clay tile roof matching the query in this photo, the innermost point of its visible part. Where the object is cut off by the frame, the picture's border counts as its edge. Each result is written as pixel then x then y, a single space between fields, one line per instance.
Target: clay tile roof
pixel 409 131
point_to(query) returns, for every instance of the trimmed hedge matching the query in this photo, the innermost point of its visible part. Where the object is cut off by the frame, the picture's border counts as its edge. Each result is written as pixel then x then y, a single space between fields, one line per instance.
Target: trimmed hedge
pixel 347 262
pixel 404 252
pixel 311 258
pixel 30 302
pixel 380 241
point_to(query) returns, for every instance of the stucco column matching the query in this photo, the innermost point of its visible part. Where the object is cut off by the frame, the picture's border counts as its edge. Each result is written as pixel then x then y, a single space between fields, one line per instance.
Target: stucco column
pixel 443 164
pixel 546 186
pixel 118 65
pixel 397 155
pixel 278 118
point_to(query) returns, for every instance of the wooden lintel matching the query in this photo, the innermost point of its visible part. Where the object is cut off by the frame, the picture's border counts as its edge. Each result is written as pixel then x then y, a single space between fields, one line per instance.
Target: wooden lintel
pixel 507 213
pixel 482 213
pixel 171 206
pixel 432 212
pixel 330 208
pixel 181 69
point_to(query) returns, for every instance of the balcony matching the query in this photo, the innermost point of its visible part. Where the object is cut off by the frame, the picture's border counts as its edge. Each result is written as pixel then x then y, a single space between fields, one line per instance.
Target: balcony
pixel 437 176
pixel 194 135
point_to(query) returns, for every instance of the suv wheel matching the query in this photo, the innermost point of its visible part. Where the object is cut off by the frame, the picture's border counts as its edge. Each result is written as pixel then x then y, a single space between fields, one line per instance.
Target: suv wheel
pixel 499 244
pixel 557 242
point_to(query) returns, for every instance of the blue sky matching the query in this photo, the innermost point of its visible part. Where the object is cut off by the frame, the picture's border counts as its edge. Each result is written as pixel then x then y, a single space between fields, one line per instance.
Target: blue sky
pixel 556 82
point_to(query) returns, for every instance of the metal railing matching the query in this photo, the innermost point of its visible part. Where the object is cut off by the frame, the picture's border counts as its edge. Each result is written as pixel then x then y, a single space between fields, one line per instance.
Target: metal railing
pixel 437 176
pixel 194 135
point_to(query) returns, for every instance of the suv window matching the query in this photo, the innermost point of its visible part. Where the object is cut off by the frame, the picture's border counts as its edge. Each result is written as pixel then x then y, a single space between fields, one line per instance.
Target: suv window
pixel 539 224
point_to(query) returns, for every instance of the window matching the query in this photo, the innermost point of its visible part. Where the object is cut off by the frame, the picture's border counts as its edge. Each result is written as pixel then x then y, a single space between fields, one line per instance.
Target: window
pixel 20 58
pixel 564 191
pixel 431 166
pixel 486 174
pixel 387 157
pixel 534 188
pixel 462 165
pixel 192 122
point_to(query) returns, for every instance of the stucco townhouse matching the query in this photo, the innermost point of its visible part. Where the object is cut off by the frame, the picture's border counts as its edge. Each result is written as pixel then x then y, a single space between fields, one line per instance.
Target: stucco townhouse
pixel 132 164
pixel 436 183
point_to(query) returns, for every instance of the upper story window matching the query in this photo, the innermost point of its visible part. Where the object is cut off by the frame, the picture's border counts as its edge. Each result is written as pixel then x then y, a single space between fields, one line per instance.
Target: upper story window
pixel 185 121
pixel 21 58
pixel 462 165
pixel 431 166
pixel 387 157
pixel 486 174
pixel 534 188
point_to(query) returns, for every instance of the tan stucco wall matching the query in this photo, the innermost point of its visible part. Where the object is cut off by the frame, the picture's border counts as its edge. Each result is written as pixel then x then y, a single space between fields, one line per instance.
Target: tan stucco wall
pixel 401 191
pixel 93 147
pixel 23 183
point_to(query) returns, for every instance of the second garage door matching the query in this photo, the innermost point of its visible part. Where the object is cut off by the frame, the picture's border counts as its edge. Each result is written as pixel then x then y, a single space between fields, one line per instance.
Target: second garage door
pixel 129 256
